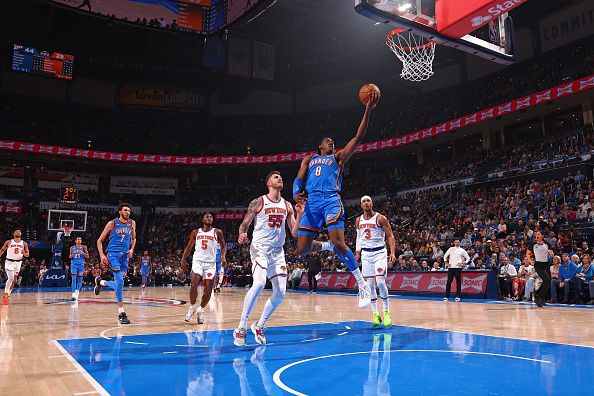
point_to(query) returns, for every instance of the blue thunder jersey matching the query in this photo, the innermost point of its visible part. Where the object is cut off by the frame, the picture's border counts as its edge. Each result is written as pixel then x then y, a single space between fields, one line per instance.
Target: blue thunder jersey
pixel 219 253
pixel 145 263
pixel 120 237
pixel 78 255
pixel 324 175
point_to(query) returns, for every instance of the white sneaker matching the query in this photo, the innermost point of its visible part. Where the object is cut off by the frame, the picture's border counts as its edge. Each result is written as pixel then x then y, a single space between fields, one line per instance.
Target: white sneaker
pixel 239 337
pixel 259 334
pixel 200 317
pixel 457 299
pixel 189 315
pixel 364 295
pixel 445 299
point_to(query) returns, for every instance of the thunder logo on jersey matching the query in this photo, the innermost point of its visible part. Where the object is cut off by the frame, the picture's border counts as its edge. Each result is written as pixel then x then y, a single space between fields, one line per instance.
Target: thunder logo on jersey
pixel 120 237
pixel 78 255
pixel 324 175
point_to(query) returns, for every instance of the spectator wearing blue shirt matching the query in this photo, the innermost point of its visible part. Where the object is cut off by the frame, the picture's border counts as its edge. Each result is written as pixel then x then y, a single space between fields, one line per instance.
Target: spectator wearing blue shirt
pixel 586 274
pixel 514 260
pixel 567 277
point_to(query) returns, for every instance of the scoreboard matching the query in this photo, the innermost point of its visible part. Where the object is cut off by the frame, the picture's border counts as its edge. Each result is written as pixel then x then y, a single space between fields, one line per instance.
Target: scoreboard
pixel 68 195
pixel 41 62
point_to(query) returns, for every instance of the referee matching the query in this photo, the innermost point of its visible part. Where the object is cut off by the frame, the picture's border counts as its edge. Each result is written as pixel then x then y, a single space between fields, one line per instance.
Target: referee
pixel 455 259
pixel 541 266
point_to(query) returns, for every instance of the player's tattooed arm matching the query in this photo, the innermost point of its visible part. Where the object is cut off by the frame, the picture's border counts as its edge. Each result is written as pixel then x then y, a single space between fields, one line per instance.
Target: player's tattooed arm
pixel 85 251
pixel 347 152
pixel 132 241
pixel 189 246
pixel 70 256
pixel 253 209
pixel 4 247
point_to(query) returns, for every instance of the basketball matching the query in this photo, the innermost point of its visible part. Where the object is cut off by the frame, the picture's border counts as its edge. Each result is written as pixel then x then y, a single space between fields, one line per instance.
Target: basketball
pixel 366 90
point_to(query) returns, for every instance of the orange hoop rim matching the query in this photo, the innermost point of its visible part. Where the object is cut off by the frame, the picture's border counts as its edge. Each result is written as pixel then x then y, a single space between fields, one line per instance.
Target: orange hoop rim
pixel 397 31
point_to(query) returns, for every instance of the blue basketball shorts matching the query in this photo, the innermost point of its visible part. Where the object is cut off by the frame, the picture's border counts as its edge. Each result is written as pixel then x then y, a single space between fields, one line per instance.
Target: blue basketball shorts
pixel 320 210
pixel 77 268
pixel 118 261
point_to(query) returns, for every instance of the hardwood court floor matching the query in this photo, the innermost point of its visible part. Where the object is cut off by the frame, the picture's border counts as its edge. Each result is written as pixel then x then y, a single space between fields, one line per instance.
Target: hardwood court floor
pixel 33 364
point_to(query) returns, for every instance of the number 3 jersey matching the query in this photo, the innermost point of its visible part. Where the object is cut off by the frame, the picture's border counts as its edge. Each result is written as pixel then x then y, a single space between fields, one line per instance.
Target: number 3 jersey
pixel 269 226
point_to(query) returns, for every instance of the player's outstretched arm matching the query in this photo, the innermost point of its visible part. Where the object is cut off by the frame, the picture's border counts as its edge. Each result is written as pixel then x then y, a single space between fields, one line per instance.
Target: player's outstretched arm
pixel 188 249
pixel 299 182
pixel 223 245
pixel 253 209
pixel 347 152
pixel 108 227
pixel 4 247
pixel 383 221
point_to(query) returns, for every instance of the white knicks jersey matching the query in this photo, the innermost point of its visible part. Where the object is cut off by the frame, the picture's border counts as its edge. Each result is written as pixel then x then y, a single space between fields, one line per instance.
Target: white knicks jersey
pixel 206 246
pixel 269 225
pixel 15 250
pixel 371 234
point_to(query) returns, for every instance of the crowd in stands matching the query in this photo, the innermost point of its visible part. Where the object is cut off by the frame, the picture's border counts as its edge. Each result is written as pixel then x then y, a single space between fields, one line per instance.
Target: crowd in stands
pixel 175 133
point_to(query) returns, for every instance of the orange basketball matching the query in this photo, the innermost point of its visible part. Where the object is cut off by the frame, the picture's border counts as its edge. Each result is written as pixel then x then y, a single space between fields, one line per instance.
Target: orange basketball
pixel 366 90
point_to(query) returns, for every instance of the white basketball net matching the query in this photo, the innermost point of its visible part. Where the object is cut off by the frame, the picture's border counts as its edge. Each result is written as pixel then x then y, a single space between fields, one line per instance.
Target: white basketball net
pixel 415 52
pixel 67 229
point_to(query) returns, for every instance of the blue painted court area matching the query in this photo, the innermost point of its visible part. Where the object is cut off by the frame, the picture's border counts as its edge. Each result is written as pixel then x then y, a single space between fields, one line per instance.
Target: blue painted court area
pixel 348 358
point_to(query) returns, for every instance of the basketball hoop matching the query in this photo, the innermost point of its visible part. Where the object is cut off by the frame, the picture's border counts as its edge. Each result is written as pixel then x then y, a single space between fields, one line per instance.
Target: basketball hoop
pixel 416 53
pixel 67 229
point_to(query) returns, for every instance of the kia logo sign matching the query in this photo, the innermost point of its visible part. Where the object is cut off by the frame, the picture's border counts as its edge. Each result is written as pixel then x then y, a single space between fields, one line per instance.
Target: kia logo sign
pixel 55 277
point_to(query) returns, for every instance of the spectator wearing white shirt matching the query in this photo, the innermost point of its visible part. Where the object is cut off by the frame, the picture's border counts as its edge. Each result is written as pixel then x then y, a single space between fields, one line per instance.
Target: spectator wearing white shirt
pixel 295 278
pixel 507 273
pixel 455 259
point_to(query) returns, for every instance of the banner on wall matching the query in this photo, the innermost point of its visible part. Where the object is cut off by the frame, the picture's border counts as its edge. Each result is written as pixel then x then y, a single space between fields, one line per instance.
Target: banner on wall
pixel 239 57
pixel 163 97
pixel 142 185
pixel 11 176
pixel 14 209
pixel 538 98
pixel 473 282
pixel 230 216
pixel 263 60
pixel 567 26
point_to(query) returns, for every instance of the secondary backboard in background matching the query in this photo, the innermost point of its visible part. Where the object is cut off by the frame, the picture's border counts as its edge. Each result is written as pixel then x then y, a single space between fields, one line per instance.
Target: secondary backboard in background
pixel 56 218
pixel 493 39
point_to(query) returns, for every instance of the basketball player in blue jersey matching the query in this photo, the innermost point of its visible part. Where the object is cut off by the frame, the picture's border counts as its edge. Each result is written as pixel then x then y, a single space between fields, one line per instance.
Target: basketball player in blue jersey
pixel 122 239
pixel 219 272
pixel 78 254
pixel 145 267
pixel 320 177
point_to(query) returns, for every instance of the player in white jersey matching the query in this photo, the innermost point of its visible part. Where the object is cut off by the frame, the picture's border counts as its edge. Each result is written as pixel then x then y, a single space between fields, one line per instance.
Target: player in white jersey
pixel 15 249
pixel 372 229
pixel 205 241
pixel 271 214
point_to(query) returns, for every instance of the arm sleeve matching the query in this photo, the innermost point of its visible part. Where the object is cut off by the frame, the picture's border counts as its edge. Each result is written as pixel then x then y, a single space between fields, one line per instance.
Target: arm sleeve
pixel 358 243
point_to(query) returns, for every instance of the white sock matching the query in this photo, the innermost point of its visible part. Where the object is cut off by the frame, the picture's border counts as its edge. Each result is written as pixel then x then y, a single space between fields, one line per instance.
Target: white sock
pixel 386 304
pixel 200 309
pixel 121 310
pixel 103 283
pixel 374 306
pixel 359 277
